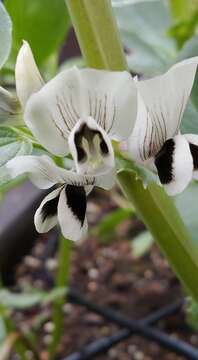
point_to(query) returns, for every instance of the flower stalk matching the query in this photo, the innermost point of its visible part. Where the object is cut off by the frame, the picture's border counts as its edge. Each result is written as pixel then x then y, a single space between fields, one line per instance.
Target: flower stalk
pixel 99 41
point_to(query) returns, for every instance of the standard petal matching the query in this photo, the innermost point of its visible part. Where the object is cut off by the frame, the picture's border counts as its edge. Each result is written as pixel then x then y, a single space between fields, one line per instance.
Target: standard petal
pixel 72 212
pixel 111 99
pixel 90 147
pixel 45 217
pixel 108 97
pixel 193 143
pixel 9 106
pixel 52 112
pixel 165 98
pixel 44 173
pixel 174 164
pixel 27 75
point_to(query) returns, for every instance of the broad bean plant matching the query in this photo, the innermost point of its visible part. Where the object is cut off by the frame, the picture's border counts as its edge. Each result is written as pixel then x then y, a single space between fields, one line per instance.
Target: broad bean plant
pixel 127 117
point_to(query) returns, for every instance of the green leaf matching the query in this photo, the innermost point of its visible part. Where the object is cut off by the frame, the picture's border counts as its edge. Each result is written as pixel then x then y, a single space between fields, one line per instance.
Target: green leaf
pixel 43 23
pixel 27 300
pixel 189 122
pixel 12 144
pixel 141 244
pixel 183 9
pixel 192 314
pixel 185 13
pixel 188 208
pixel 107 226
pixel 190 49
pixel 143 28
pixel 5 34
pixel 19 301
pixel 10 108
pixel 2 329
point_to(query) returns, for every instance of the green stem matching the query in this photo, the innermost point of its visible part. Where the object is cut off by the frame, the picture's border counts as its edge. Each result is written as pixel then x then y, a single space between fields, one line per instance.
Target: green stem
pixel 161 218
pixel 61 281
pixel 99 40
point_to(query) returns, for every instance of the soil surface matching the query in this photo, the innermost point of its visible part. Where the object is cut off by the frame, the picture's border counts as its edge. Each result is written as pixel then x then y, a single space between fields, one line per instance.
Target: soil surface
pixel 108 274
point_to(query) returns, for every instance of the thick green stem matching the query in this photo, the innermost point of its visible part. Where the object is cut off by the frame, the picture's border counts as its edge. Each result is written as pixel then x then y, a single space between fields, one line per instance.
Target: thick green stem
pixel 99 44
pixel 161 218
pixel 99 40
pixel 61 281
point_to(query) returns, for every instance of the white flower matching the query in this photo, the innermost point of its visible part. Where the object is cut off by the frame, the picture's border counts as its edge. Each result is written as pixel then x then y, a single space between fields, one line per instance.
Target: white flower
pixel 79 111
pixel 156 141
pixel 66 203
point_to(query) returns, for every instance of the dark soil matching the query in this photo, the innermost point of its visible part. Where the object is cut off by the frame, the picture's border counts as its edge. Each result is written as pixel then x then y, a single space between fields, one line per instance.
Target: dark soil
pixel 109 275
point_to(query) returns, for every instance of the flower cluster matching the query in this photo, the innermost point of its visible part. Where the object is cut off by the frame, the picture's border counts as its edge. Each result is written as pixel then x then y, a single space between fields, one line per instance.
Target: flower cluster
pixel 79 112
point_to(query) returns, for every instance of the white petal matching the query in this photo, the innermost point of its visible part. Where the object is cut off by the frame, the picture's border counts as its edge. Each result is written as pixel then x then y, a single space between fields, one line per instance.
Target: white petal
pixel 91 155
pixel 72 212
pixel 41 170
pixel 111 99
pixel 193 143
pixel 43 123
pixel 45 217
pixel 108 97
pixel 106 180
pixel 53 111
pixel 44 173
pixel 9 105
pixel 174 163
pixel 143 143
pixel 28 78
pixel 165 98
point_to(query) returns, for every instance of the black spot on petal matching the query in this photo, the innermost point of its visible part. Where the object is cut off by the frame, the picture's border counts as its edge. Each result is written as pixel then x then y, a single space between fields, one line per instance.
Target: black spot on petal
pixel 50 208
pixel 194 153
pixel 164 161
pixel 77 201
pixel 82 156
pixel 104 148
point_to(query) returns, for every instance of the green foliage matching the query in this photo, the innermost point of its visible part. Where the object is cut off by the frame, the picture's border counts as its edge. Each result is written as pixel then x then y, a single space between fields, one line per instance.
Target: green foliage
pixel 43 24
pixel 107 226
pixel 143 27
pixel 141 244
pixel 12 143
pixel 183 9
pixel 2 329
pixel 192 314
pixel 189 122
pixel 5 34
pixel 185 14
pixel 27 300
pixel 188 206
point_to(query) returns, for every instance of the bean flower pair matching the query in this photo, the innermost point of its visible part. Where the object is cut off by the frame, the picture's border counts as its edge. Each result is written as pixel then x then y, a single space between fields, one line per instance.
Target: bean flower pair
pixel 79 112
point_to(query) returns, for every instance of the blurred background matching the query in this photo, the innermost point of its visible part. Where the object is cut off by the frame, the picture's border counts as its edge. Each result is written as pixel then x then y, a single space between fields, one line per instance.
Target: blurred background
pixel 118 265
